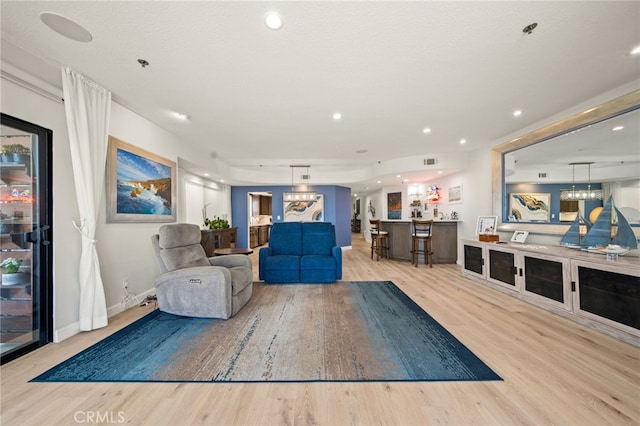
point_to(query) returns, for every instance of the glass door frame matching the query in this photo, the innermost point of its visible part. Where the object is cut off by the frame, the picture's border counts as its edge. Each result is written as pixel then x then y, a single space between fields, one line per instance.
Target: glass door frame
pixel 40 236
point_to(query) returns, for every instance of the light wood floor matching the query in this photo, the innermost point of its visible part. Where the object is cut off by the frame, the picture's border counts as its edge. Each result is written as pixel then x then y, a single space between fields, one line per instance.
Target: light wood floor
pixel 555 372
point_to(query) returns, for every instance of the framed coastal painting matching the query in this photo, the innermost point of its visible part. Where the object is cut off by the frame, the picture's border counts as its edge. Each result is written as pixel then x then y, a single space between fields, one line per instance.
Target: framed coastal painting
pixel 141 186
pixel 529 207
pixel 394 205
pixel 304 211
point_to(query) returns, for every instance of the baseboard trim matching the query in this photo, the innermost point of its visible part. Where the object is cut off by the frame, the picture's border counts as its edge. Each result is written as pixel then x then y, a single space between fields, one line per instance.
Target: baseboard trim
pixel 74 328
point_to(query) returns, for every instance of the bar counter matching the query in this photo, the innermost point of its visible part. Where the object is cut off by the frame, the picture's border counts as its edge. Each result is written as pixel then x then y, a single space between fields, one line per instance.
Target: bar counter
pixel 444 242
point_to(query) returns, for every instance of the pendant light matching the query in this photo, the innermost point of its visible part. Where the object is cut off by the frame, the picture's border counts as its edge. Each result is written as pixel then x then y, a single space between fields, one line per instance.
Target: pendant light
pixel 581 194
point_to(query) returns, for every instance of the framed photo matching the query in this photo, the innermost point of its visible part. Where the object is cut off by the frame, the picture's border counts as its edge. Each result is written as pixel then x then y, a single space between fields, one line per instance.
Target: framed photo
pixel 304 211
pixel 455 194
pixel 394 205
pixel 141 186
pixel 529 207
pixel 486 225
pixel 519 237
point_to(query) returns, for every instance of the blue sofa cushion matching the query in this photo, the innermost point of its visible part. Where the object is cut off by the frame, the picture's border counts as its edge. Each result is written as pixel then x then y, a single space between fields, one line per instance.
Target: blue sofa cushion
pixel 286 238
pixel 318 238
pixel 282 269
pixel 317 262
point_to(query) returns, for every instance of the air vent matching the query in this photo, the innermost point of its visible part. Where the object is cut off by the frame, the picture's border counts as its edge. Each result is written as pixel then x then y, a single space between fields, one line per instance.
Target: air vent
pixel 305 177
pixel 542 175
pixel 430 161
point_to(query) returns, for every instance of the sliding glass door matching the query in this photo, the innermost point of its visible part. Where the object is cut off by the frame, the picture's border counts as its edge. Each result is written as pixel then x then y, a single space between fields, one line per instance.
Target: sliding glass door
pixel 25 235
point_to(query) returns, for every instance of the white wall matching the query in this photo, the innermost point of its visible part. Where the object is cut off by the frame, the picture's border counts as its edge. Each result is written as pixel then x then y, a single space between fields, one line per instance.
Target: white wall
pixel 201 192
pixel 124 249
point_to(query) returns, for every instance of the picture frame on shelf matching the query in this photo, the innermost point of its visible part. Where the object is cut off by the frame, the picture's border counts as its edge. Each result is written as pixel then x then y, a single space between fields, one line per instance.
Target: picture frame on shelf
pixel 519 237
pixel 486 225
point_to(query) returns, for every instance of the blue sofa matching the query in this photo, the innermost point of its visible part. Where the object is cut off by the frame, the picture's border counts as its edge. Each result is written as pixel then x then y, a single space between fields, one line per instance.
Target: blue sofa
pixel 301 253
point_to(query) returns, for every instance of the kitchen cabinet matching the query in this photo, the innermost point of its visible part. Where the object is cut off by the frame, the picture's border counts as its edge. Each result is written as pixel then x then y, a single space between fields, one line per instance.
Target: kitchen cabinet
pixel 258 235
pixel 254 232
pixel 265 205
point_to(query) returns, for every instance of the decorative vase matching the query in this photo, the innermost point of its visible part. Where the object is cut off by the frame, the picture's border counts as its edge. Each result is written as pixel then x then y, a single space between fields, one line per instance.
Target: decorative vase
pixel 15 279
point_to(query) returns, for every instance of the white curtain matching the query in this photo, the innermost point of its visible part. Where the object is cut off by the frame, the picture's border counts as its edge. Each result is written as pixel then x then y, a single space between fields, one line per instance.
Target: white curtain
pixel 88 111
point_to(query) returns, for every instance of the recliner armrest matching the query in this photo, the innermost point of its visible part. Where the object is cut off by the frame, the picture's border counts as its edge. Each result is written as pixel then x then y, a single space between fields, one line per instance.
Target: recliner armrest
pixel 231 261
pixel 262 257
pixel 336 252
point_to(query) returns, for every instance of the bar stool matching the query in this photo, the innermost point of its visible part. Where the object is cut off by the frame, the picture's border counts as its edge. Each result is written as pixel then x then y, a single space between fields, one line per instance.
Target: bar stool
pixel 379 240
pixel 421 233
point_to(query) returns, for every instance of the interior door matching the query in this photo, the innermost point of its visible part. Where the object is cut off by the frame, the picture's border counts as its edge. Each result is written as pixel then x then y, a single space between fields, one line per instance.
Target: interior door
pixel 26 309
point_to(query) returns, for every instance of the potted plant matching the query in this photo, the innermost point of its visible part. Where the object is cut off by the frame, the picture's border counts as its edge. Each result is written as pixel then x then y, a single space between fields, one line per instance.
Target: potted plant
pixel 16 153
pixel 216 223
pixel 11 274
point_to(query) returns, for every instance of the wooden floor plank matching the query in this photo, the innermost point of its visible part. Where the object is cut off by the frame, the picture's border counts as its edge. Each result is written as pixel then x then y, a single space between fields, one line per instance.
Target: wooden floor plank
pixel 555 372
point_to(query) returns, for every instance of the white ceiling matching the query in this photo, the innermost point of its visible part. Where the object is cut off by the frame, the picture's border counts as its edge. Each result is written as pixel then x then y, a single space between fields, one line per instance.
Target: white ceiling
pixel 260 100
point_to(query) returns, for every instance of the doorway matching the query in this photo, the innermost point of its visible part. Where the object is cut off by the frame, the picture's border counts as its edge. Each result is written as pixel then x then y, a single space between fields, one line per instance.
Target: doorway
pixel 26 303
pixel 260 218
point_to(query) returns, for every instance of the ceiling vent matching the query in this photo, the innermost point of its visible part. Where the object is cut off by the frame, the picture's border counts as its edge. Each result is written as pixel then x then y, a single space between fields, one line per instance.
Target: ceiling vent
pixel 430 161
pixel 542 175
pixel 305 177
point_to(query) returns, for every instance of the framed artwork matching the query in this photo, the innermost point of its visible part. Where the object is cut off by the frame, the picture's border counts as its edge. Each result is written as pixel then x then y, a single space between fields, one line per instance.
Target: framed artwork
pixel 455 194
pixel 486 225
pixel 394 205
pixel 529 207
pixel 141 186
pixel 519 236
pixel 304 211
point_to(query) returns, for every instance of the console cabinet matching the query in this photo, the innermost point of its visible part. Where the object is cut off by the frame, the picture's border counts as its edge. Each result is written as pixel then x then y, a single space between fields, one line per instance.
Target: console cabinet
pixel 584 287
pixel 211 239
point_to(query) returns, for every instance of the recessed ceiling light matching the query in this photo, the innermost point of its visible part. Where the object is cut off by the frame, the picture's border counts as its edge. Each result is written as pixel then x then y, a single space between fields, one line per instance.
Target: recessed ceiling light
pixel 182 116
pixel 379 181
pixel 398 176
pixel 405 180
pixel 355 195
pixel 65 27
pixel 337 116
pixel 206 174
pixel 517 113
pixel 463 141
pixel 439 172
pixel 635 50
pixel 615 129
pixel 426 130
pixel 273 21
pixel 221 180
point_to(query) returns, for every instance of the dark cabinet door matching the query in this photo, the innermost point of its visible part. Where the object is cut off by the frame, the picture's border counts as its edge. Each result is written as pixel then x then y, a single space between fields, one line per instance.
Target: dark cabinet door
pixel 473 260
pixel 502 267
pixel 610 295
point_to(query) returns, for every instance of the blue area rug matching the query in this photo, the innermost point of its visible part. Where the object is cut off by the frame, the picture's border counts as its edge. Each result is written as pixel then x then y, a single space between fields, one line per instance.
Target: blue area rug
pixel 348 331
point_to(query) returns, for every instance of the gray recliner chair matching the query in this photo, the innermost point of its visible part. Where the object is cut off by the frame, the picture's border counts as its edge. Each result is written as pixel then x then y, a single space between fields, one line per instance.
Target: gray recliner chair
pixel 196 286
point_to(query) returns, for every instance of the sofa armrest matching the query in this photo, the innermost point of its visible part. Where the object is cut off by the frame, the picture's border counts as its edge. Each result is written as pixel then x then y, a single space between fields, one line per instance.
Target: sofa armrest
pixel 262 259
pixel 336 252
pixel 231 261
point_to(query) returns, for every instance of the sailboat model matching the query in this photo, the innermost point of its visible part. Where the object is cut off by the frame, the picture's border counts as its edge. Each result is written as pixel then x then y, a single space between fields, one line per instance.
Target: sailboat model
pixel 607 235
pixel 572 237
